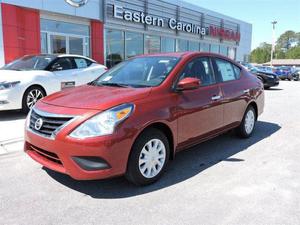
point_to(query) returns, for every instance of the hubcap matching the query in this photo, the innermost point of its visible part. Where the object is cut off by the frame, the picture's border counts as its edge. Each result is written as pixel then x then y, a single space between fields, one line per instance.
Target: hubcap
pixel 32 97
pixel 249 121
pixel 152 158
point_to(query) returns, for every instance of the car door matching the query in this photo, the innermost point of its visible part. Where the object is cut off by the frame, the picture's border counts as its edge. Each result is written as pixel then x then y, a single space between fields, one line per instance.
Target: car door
pixel 200 112
pixel 234 90
pixel 65 72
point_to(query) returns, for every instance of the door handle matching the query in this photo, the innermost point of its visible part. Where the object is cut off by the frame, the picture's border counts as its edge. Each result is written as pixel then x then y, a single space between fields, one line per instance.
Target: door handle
pixel 215 97
pixel 246 91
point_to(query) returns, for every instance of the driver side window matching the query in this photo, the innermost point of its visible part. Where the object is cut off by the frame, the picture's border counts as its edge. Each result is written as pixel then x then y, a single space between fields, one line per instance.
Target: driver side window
pixel 199 68
pixel 63 64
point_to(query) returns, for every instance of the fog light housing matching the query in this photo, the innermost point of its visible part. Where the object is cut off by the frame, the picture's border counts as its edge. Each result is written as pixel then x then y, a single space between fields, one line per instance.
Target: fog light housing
pixel 4 102
pixel 91 163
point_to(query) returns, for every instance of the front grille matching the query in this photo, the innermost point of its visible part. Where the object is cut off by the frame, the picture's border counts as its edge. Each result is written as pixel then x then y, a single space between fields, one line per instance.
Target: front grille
pixel 48 124
pixel 48 155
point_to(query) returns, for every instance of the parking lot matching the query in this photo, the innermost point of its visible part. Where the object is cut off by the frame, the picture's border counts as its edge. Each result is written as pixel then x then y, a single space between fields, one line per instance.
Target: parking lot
pixel 223 181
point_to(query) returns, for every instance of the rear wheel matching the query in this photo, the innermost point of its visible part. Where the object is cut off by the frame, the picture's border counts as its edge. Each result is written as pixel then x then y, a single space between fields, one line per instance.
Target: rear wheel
pixel 149 157
pixel 31 96
pixel 247 125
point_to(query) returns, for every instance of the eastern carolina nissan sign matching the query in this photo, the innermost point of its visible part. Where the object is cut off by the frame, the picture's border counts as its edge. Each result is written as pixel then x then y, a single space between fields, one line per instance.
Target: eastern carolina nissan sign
pixel 140 17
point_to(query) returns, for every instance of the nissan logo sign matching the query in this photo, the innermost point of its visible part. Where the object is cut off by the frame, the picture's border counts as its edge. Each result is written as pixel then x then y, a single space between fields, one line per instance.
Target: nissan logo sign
pixel 38 124
pixel 77 3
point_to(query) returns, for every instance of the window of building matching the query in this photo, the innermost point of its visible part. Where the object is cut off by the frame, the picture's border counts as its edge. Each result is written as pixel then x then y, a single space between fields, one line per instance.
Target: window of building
pixel 62 37
pixel 226 70
pixel 152 44
pixel 181 45
pixel 58 44
pixel 194 46
pixel 134 44
pixel 231 53
pixel 114 47
pixel 223 50
pixel 214 48
pixel 44 44
pixel 167 44
pixel 204 47
pixel 199 68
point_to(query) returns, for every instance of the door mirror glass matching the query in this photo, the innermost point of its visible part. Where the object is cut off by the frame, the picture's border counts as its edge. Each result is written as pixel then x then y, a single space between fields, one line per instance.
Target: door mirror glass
pixel 188 83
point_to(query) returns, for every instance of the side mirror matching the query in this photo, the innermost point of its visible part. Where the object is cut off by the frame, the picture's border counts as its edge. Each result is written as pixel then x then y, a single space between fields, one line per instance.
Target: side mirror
pixel 188 83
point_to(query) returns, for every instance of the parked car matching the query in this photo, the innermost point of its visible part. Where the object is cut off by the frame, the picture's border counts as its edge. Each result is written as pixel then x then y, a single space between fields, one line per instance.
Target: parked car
pixel 284 72
pixel 140 113
pixel 296 75
pixel 269 79
pixel 26 80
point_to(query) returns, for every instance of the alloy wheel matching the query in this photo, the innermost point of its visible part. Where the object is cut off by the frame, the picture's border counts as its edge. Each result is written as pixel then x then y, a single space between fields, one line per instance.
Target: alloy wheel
pixel 32 97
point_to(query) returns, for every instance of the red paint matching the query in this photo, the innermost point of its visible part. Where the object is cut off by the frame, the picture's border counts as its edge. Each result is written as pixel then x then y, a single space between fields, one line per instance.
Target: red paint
pixel 97 41
pixel 192 116
pixel 225 34
pixel 21 31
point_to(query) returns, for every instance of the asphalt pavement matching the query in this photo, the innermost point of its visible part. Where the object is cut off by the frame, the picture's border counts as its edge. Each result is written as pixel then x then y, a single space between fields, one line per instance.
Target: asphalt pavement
pixel 226 180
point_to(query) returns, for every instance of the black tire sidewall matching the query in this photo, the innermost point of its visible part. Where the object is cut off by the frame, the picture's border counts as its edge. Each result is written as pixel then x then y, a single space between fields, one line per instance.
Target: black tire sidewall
pixel 133 173
pixel 241 129
pixel 25 108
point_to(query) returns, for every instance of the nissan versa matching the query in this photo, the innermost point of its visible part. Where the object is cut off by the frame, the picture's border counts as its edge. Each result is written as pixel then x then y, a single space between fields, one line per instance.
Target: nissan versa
pixel 135 117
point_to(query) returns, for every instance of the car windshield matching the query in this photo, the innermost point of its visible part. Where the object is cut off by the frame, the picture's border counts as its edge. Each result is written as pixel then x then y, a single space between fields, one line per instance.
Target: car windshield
pixel 30 63
pixel 139 72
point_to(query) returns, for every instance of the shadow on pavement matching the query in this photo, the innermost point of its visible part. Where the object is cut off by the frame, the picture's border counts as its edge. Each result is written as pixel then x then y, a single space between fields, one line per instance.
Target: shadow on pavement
pixel 186 165
pixel 11 115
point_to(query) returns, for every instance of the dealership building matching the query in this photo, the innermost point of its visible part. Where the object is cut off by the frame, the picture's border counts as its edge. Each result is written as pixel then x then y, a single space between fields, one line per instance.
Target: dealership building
pixel 110 31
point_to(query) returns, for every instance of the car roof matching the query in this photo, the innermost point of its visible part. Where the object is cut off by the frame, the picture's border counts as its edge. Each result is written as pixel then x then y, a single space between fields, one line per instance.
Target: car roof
pixel 187 54
pixel 182 54
pixel 63 55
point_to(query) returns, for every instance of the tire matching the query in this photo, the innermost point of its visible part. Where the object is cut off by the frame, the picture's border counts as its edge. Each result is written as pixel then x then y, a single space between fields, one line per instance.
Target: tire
pixel 30 95
pixel 247 125
pixel 137 168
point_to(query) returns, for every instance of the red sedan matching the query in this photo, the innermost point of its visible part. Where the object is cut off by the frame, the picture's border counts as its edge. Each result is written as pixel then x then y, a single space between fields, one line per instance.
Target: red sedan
pixel 135 117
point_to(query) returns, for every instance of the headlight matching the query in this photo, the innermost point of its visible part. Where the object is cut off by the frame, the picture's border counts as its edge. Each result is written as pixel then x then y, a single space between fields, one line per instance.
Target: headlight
pixel 28 118
pixel 7 85
pixel 103 123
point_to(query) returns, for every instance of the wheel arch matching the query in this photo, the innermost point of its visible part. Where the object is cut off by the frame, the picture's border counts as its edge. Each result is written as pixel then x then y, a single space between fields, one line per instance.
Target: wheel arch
pixel 254 105
pixel 166 130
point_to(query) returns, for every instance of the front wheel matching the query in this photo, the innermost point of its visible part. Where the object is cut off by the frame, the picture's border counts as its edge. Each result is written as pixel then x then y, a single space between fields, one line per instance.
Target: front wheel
pixel 247 125
pixel 31 96
pixel 149 157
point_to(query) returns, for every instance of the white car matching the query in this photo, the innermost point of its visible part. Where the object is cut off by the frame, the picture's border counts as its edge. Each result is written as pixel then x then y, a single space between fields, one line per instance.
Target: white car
pixel 26 80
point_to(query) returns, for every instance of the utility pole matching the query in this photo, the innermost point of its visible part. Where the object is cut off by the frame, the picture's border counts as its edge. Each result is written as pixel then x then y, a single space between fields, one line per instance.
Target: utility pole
pixel 273 40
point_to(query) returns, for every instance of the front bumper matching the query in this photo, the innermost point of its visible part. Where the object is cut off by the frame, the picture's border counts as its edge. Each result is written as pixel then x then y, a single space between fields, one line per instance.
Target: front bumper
pixel 10 99
pixel 87 159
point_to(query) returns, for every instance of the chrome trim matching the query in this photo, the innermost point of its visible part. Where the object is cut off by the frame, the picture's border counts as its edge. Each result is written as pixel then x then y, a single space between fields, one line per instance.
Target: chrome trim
pixel 47 114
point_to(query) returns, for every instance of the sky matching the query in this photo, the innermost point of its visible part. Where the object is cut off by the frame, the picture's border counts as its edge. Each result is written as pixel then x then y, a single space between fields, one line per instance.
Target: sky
pixel 259 13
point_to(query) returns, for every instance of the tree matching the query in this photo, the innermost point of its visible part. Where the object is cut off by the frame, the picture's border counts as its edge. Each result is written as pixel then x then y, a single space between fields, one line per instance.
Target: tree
pixel 287 40
pixel 293 53
pixel 261 54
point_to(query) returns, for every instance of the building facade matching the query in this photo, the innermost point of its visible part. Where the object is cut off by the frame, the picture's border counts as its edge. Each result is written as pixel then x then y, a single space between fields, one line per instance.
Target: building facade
pixel 110 31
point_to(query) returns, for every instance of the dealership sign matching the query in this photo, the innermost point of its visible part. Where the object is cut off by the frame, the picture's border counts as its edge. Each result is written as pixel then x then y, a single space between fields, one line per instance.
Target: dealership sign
pixel 140 17
pixel 77 3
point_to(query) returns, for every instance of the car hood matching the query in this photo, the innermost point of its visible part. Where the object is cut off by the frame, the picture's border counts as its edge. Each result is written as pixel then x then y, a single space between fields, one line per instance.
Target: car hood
pixel 95 97
pixel 13 75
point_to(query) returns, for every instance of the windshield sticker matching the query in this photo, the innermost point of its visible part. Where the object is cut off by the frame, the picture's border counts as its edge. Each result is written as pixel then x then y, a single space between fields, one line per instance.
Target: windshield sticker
pixel 107 78
pixel 164 61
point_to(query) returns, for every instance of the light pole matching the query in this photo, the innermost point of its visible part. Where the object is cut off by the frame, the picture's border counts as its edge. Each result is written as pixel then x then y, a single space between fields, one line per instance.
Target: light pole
pixel 273 40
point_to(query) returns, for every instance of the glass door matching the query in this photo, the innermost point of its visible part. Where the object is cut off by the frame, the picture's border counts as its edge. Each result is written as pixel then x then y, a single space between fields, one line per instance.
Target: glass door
pixel 54 43
pixel 58 44
pixel 76 45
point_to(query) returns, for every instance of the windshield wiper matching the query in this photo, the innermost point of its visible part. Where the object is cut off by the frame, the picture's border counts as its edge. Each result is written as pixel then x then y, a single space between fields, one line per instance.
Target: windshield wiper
pixel 114 85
